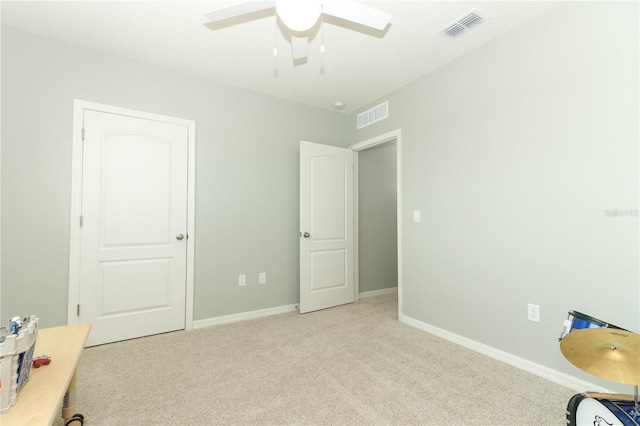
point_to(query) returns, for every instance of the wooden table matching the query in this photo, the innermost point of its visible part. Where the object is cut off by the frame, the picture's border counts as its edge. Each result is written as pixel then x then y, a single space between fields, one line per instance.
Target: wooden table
pixel 41 398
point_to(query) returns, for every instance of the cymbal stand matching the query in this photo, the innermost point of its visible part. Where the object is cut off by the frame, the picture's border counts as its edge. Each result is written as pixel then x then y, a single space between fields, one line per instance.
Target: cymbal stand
pixel 635 412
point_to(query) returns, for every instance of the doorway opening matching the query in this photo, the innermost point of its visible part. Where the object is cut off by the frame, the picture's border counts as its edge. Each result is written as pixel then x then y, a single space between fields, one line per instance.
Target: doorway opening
pixel 384 142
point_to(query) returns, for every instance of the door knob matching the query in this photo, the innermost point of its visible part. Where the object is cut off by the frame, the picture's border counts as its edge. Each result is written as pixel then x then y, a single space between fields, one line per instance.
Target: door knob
pixel 179 237
pixel 306 235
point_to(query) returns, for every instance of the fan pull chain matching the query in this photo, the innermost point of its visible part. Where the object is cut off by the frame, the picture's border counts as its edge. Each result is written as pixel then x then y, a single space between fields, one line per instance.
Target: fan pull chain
pixel 321 42
pixel 275 36
pixel 321 31
pixel 275 47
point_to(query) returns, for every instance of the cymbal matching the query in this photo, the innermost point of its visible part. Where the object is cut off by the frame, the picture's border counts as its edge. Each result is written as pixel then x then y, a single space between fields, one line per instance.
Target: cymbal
pixel 608 353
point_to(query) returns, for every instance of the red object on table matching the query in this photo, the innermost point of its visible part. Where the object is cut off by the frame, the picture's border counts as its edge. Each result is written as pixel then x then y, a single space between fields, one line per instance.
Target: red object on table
pixel 41 360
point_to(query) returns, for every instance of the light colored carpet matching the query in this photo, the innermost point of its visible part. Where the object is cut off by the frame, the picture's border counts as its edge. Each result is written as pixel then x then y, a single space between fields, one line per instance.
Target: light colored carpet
pixel 350 365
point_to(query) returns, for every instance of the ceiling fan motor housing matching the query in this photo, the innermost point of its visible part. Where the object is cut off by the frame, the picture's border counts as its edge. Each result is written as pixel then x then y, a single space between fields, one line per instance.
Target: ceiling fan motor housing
pixel 299 15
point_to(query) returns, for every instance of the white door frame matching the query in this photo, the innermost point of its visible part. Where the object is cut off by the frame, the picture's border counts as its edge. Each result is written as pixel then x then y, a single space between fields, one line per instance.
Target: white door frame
pixel 79 106
pixel 362 146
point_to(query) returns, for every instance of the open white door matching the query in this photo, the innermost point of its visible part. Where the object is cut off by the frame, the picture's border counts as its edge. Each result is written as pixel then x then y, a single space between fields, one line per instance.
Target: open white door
pixel 133 258
pixel 326 226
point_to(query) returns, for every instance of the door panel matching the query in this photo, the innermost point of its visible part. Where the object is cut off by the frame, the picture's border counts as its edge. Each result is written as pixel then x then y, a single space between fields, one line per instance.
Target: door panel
pixel 326 216
pixel 328 176
pixel 149 277
pixel 134 204
pixel 328 269
pixel 136 174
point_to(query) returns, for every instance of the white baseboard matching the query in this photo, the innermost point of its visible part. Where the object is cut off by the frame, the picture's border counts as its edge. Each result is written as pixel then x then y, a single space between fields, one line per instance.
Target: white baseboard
pixel 374 293
pixel 226 319
pixel 539 370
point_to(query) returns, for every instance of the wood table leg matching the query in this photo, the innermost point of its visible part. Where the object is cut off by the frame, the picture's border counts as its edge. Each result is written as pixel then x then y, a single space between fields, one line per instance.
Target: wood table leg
pixel 69 402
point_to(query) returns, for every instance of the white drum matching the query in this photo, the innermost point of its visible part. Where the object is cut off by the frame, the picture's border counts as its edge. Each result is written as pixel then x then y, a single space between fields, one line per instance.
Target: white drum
pixel 583 411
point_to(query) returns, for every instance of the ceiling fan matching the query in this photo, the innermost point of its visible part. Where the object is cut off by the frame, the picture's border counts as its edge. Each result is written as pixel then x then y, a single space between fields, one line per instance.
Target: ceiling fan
pixel 301 15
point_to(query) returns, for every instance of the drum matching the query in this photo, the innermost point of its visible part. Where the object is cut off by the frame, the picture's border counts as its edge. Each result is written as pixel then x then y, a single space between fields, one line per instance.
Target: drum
pixel 583 410
pixel 578 320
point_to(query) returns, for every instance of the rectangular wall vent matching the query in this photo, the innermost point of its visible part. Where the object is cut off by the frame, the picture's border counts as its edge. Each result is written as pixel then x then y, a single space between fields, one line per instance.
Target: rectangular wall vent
pixel 463 24
pixel 370 116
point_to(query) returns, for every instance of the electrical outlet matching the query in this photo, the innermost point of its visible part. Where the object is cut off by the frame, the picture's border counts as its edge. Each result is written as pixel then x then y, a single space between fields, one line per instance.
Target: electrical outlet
pixel 242 280
pixel 533 312
pixel 262 278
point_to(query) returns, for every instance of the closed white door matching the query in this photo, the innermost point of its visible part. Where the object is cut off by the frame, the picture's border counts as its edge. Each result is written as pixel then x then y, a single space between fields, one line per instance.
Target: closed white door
pixel 134 226
pixel 326 226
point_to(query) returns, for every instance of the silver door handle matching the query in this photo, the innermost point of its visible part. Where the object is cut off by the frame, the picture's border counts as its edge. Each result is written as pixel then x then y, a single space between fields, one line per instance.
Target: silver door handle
pixel 179 237
pixel 306 235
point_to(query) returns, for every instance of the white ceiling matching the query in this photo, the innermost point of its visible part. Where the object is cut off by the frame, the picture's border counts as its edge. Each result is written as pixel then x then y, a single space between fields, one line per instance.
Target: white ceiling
pixel 359 65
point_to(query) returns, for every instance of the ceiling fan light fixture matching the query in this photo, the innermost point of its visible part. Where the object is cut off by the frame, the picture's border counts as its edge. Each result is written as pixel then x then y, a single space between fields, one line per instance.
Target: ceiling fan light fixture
pixel 299 15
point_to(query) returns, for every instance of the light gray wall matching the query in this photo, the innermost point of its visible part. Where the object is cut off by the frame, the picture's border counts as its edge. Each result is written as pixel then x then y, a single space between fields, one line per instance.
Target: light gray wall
pixel 513 153
pixel 377 233
pixel 246 178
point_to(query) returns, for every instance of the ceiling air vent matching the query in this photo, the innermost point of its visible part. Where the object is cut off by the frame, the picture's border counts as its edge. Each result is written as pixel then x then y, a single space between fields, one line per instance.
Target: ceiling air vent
pixel 370 116
pixel 463 24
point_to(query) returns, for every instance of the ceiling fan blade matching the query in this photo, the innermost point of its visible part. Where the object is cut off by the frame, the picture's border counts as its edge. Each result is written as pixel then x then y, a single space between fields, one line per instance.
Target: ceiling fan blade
pixel 356 12
pixel 238 9
pixel 299 47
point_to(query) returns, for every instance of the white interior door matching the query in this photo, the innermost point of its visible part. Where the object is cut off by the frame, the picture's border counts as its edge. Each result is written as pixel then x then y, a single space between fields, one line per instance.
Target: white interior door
pixel 326 226
pixel 133 253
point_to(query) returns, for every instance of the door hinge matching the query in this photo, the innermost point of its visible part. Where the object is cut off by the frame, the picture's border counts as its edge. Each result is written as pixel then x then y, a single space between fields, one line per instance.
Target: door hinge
pixel 78 310
pixel 81 220
pixel 82 134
